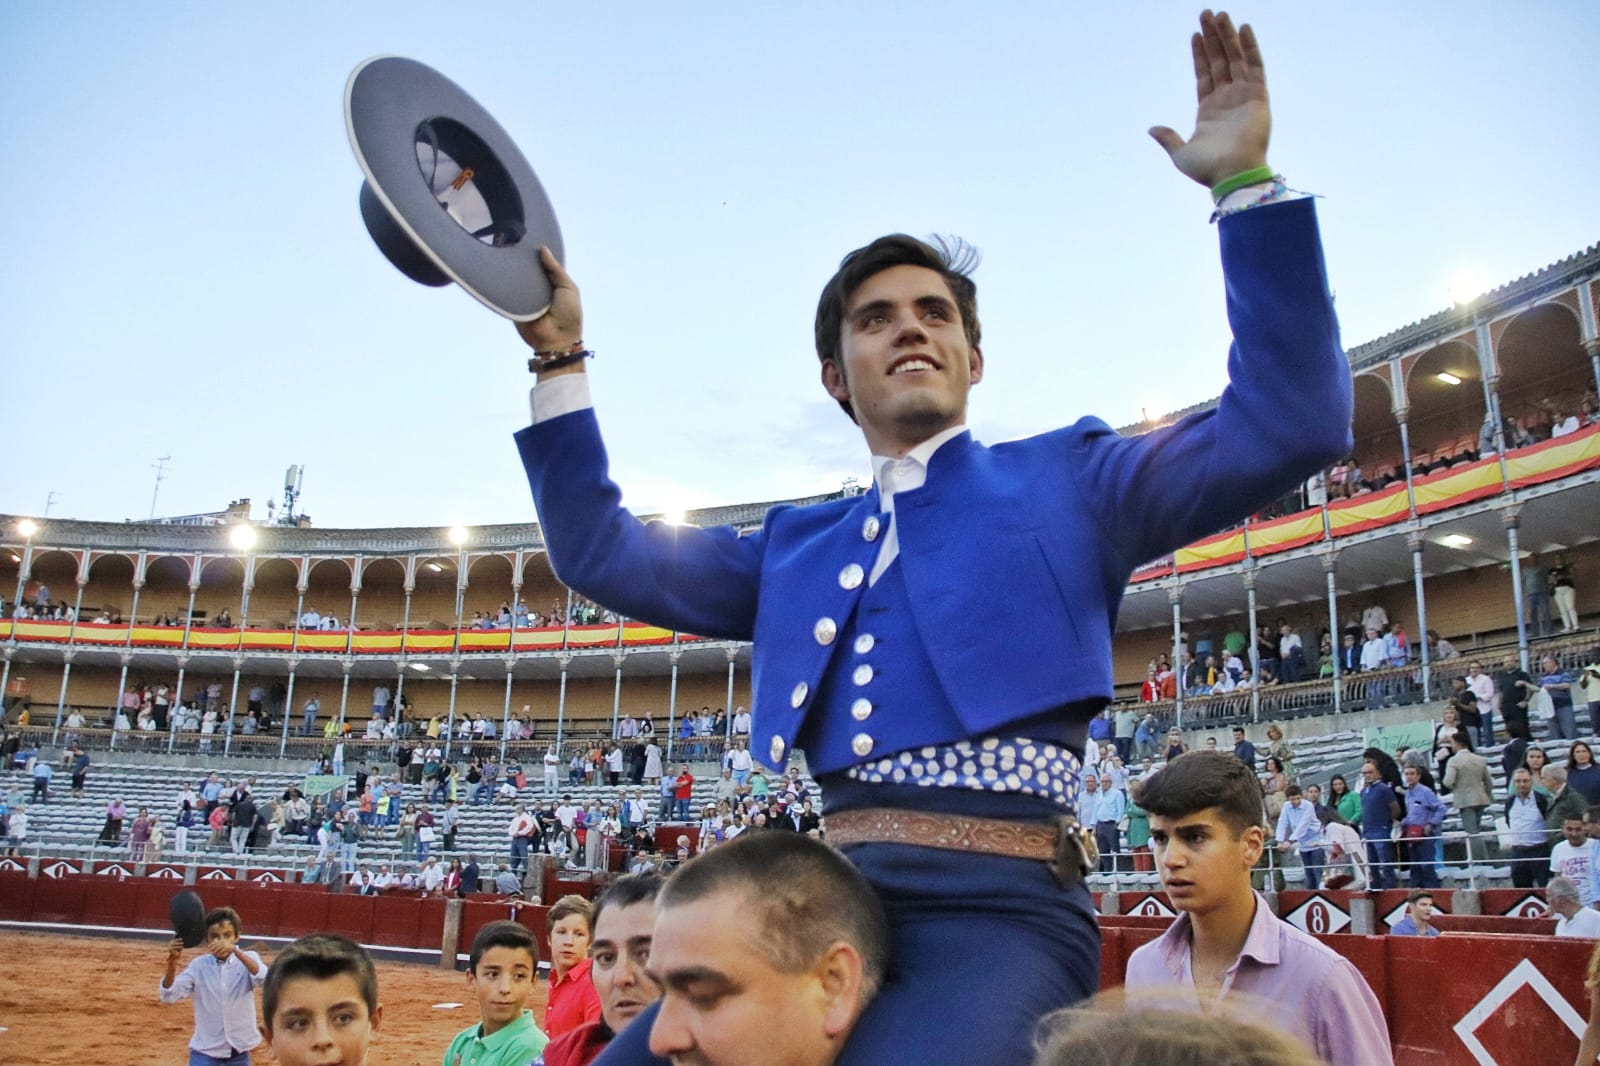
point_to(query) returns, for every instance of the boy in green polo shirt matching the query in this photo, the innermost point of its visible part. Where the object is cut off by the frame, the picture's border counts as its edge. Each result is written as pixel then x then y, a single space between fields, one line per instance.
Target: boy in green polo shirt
pixel 502 968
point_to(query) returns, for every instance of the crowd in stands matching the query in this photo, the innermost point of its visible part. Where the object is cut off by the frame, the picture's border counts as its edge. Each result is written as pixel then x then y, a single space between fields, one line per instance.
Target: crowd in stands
pixel 1348 478
pixel 1368 643
pixel 1391 821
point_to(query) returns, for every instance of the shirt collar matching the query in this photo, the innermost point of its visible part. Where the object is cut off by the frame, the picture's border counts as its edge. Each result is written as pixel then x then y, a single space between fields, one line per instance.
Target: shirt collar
pixel 1261 943
pixel 910 471
pixel 506 1033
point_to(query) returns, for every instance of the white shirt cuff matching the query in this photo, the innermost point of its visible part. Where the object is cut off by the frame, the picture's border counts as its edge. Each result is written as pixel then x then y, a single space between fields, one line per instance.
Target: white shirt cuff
pixel 559 396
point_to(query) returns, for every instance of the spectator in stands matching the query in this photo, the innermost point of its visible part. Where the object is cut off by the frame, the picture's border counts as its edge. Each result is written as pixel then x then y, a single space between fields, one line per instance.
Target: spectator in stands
pixel 1299 830
pixel 1468 781
pixel 111 832
pixel 1274 787
pixel 1556 684
pixel 16 829
pixel 1380 808
pixel 1525 812
pixel 1205 822
pixel 683 792
pixel 572 1000
pixel 1565 801
pixel 552 770
pixel 1570 856
pixel 520 832
pixel 1536 596
pixel 1530 757
pixel 1419 913
pixel 1291 655
pixel 1144 737
pixel 1440 649
pixel 1344 801
pixel 1421 827
pixel 1243 750
pixel 1482 687
pixel 312 706
pixel 1572 918
pixel 1564 590
pixel 1442 733
pixel 1582 773
pixel 1175 745
pixel 1279 749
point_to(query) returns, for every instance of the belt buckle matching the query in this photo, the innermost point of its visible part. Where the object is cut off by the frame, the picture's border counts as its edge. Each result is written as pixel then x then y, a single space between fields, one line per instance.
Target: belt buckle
pixel 1076 852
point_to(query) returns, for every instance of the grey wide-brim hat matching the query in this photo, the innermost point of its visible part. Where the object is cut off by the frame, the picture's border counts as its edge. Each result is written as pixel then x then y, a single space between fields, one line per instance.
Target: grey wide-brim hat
pixel 448 196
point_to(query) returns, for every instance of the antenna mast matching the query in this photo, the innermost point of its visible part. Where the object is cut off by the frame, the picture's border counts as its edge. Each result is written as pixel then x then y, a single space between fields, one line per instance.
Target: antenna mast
pixel 160 466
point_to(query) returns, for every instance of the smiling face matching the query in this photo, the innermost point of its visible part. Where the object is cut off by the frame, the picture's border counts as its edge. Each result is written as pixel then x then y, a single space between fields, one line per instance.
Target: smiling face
pixel 905 365
pixel 321 1022
pixel 1203 861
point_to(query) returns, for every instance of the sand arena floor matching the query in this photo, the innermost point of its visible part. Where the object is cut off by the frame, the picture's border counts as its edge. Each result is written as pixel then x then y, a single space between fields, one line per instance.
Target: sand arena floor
pixel 71 1000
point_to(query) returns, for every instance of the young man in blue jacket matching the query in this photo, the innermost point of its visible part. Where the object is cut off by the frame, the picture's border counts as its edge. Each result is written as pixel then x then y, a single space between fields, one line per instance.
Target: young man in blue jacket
pixel 929 738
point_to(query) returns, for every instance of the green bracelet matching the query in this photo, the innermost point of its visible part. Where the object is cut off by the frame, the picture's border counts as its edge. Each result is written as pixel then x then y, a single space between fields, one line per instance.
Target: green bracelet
pixel 1256 176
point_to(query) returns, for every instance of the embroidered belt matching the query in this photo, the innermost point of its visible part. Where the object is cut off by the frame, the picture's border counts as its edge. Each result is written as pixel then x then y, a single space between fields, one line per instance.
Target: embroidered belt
pixel 1063 844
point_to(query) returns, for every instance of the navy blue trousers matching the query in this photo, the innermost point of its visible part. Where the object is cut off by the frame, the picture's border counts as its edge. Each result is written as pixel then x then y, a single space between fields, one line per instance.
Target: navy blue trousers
pixel 983 948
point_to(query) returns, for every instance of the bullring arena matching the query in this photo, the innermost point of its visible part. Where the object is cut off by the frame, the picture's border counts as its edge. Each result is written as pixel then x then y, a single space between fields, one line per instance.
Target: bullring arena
pixel 170 651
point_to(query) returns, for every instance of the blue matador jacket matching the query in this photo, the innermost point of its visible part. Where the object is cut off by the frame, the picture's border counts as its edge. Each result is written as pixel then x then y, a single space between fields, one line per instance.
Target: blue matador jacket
pixel 1050 527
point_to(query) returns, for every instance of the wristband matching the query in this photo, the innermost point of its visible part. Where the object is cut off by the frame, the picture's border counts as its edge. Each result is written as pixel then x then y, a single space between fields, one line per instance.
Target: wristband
pixel 542 361
pixel 1256 176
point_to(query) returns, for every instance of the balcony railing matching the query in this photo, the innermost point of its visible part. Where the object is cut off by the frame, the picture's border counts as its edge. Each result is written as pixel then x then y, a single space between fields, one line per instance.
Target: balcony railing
pixel 341 642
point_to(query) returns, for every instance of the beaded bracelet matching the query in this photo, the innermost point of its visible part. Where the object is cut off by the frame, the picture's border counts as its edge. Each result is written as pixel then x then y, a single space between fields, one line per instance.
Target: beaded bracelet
pixel 1274 191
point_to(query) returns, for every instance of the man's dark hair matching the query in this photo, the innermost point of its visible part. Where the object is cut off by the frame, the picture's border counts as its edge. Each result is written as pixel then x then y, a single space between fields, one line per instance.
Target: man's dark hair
pixel 1462 737
pixel 1198 780
pixel 951 258
pixel 804 895
pixel 502 934
pixel 1419 893
pixel 320 956
pixel 1292 791
pixel 625 892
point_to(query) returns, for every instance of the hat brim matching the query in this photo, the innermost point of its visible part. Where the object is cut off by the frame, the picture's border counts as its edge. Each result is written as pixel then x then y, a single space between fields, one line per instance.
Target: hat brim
pixel 188 915
pixel 387 100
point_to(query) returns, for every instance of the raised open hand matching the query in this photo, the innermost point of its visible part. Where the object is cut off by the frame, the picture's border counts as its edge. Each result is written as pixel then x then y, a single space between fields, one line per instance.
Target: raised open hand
pixel 1234 121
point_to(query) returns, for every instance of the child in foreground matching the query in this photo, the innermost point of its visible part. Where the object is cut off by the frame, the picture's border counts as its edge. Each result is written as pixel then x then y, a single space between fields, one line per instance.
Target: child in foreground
pixel 501 972
pixel 222 981
pixel 320 1003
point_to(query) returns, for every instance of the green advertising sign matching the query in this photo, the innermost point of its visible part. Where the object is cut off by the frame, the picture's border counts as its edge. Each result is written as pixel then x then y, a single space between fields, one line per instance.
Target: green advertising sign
pixel 1390 738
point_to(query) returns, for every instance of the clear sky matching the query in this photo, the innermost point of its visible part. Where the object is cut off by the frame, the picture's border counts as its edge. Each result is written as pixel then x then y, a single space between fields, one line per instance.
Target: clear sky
pixel 185 273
